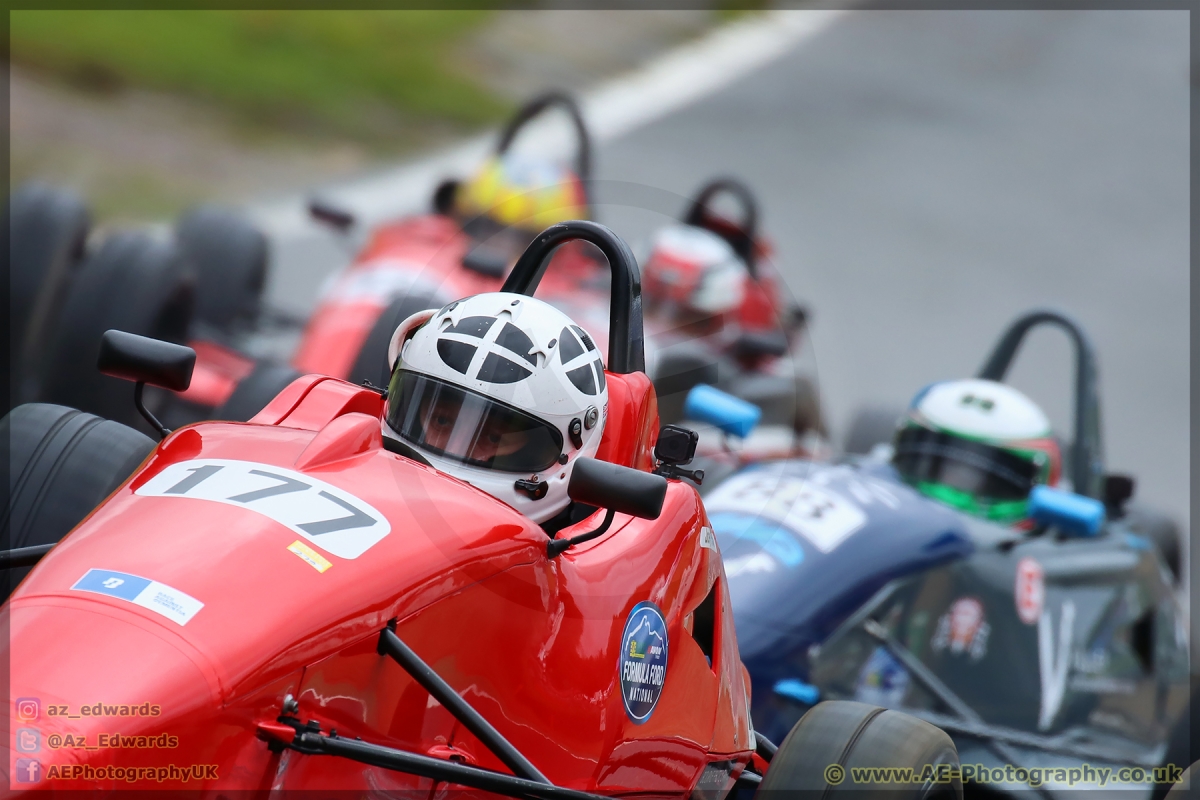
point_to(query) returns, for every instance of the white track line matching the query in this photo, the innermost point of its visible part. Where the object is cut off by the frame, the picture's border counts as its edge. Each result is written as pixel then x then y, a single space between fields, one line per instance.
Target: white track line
pixel 665 85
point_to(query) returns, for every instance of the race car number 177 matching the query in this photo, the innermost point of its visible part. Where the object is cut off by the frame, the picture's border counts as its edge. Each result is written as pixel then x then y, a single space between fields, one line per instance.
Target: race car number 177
pixel 329 517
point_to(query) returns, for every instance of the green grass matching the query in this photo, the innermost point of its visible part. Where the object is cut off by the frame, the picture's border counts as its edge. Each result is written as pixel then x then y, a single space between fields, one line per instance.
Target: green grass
pixel 358 73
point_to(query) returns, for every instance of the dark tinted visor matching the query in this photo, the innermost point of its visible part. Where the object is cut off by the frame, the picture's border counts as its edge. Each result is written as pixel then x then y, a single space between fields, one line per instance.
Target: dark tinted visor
pixel 984 470
pixel 466 426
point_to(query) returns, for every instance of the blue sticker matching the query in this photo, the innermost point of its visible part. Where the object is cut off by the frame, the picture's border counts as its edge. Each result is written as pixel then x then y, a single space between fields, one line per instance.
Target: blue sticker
pixel 151 595
pixel 114 584
pixel 643 663
pixel 773 537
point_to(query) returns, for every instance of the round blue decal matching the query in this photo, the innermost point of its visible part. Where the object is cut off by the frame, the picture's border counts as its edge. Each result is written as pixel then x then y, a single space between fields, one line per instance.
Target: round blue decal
pixel 643 665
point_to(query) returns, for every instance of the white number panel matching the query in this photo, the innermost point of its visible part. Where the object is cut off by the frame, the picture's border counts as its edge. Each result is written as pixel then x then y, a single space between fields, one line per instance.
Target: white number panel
pixel 329 517
pixel 822 516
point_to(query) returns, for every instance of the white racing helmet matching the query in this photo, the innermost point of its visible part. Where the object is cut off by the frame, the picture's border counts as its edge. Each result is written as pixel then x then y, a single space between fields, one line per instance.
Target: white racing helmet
pixel 502 391
pixel 694 268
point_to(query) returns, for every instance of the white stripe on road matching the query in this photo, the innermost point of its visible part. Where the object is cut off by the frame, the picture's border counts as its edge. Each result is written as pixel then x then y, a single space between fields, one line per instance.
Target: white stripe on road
pixel 665 85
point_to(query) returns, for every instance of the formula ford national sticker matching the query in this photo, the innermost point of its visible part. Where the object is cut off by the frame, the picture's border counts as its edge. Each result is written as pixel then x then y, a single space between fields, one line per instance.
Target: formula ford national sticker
pixel 643 663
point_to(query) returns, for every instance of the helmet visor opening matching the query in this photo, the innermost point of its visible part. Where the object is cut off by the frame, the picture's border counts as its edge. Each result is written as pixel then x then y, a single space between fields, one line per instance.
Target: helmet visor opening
pixel 987 472
pixel 476 430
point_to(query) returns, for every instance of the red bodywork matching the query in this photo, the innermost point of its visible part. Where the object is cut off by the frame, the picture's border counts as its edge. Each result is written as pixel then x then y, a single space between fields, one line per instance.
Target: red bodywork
pixel 532 643
pixel 419 255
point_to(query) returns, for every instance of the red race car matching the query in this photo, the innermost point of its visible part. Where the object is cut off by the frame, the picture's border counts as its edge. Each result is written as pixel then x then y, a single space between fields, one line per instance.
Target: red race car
pixel 203 287
pixel 257 597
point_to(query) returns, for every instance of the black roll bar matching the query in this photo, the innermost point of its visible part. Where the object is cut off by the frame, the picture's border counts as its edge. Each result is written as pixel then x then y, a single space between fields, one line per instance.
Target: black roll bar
pixel 583 140
pixel 526 783
pixel 700 215
pixel 391 645
pixel 626 341
pixel 1087 452
pixel 312 742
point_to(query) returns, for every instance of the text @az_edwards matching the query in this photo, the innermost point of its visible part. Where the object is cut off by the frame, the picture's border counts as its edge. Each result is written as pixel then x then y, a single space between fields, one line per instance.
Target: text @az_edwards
pixel 1083 775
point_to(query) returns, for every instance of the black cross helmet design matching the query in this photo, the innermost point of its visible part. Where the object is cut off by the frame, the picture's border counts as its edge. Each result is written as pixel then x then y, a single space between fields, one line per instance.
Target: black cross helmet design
pixel 502 391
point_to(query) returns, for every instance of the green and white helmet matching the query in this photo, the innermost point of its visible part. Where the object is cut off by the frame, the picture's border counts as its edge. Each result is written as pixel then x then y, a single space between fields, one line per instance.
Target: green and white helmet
pixel 978 446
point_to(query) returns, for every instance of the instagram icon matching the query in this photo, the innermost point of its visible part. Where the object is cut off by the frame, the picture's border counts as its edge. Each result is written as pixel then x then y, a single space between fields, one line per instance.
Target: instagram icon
pixel 28 708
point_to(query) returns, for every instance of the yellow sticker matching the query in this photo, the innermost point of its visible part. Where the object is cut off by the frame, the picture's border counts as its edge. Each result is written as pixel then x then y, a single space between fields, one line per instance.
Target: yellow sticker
pixel 310 556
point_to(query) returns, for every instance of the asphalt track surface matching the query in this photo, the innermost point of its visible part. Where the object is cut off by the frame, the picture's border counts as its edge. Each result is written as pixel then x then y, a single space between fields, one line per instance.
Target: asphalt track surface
pixel 926 176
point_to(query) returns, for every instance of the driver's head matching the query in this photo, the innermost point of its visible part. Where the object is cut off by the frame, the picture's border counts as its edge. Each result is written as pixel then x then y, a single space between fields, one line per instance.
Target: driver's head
pixel 522 192
pixel 693 274
pixel 502 391
pixel 978 446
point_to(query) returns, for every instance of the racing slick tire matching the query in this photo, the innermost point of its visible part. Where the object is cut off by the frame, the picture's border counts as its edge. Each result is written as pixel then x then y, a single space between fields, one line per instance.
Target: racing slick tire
pixel 229 257
pixel 62 463
pixel 1162 532
pixel 255 390
pixel 45 236
pixel 836 737
pixel 371 363
pixel 869 427
pixel 132 283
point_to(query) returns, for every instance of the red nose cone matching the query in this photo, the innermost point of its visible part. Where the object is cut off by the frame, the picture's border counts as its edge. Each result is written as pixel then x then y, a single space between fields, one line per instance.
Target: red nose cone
pixel 101 699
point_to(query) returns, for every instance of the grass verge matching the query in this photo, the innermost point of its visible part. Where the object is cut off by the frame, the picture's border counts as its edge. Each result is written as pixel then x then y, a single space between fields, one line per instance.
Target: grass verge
pixel 358 73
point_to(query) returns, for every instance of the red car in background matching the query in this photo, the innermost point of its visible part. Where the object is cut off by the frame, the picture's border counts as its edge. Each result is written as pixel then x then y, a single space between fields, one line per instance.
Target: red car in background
pixel 203 286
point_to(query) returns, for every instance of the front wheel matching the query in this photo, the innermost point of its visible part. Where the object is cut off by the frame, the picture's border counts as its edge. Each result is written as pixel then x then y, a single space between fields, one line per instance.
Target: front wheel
pixel 854 749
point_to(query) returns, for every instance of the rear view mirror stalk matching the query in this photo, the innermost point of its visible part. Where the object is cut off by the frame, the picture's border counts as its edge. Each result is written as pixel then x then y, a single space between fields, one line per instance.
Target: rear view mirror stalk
pixel 145 360
pixel 615 488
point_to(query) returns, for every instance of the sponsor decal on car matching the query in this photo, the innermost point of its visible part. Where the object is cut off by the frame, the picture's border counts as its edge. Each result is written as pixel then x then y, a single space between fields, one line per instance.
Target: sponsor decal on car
pixel 643 664
pixel 882 681
pixel 963 629
pixel 822 516
pixel 321 513
pixel 309 556
pixel 1054 660
pixel 1029 593
pixel 157 597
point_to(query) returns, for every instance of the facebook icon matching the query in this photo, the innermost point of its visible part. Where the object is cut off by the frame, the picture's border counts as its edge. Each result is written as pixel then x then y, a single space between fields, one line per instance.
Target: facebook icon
pixel 29 770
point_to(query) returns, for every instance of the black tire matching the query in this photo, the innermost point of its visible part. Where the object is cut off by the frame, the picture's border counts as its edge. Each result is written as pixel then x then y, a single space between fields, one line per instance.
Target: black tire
pixel 229 257
pixel 371 363
pixel 1163 532
pixel 840 736
pixel 255 391
pixel 45 234
pixel 1183 789
pixel 869 427
pixel 62 464
pixel 1183 744
pixel 132 283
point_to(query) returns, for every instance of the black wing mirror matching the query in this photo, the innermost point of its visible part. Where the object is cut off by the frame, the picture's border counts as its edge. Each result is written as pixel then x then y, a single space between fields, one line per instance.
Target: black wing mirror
pixel 615 488
pixel 325 212
pixel 144 360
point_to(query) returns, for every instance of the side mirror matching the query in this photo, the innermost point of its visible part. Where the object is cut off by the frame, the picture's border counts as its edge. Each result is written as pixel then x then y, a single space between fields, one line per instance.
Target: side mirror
pixel 144 360
pixel 729 414
pixel 322 211
pixel 615 488
pixel 1117 491
pixel 488 262
pixel 444 196
pixel 1072 512
pixel 760 344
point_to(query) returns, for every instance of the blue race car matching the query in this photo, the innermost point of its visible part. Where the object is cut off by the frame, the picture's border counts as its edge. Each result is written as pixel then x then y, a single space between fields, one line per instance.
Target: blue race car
pixel 984 578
